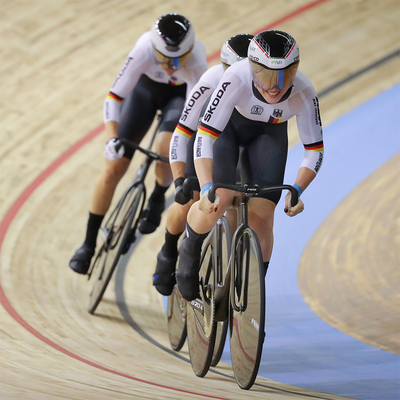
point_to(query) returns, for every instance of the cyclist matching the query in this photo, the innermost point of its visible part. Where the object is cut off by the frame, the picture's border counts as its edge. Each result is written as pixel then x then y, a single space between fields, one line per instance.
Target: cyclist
pixel 250 108
pixel 164 65
pixel 181 159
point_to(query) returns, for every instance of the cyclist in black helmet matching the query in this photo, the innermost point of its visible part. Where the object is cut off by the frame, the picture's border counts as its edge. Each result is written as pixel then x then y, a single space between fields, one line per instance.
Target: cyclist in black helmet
pixel 181 158
pixel 249 109
pixel 164 65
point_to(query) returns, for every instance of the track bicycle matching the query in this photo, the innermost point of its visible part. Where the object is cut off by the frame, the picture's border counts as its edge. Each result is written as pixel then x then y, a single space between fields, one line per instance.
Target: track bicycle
pixel 177 310
pixel 238 297
pixel 119 231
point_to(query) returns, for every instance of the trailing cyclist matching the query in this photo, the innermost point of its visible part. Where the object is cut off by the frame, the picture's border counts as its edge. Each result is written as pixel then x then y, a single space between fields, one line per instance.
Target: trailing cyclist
pixel 181 159
pixel 250 109
pixel 161 69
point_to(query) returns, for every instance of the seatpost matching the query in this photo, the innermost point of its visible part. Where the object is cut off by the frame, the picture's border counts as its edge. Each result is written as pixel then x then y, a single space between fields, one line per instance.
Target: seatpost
pixel 158 116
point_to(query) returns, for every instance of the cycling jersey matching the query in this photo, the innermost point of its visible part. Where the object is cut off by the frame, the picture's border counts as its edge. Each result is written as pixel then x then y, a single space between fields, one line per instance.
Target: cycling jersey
pixel 189 120
pixel 142 61
pixel 236 91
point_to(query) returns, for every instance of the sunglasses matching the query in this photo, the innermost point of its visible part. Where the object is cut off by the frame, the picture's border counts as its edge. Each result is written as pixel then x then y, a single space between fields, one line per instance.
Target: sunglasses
pixel 171 62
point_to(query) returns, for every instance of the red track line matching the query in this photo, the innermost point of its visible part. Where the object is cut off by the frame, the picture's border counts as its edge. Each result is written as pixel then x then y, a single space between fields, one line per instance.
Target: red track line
pixel 17 205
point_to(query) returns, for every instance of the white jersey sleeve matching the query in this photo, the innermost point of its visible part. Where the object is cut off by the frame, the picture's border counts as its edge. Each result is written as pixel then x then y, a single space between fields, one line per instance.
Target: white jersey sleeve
pixel 305 105
pixel 230 92
pixel 189 120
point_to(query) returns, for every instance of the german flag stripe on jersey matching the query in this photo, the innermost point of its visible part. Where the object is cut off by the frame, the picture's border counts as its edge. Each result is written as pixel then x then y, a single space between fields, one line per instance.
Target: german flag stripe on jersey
pixel 205 130
pixel 184 131
pixel 112 96
pixel 317 146
pixel 273 120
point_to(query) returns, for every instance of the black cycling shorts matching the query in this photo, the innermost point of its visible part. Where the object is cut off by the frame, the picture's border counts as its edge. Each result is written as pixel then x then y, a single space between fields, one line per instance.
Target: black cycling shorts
pixel 258 149
pixel 139 108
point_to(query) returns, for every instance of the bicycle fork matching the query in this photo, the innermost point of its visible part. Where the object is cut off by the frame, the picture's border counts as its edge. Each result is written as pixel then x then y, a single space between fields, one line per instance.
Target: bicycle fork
pixel 240 259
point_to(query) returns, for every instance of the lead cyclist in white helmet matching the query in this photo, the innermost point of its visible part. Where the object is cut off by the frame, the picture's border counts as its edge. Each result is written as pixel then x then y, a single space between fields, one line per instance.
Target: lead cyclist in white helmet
pixel 250 109
pixel 159 72
pixel 181 158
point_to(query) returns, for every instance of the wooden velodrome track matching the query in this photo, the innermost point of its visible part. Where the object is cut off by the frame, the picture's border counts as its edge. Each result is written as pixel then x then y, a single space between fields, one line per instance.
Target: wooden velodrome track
pixel 58 61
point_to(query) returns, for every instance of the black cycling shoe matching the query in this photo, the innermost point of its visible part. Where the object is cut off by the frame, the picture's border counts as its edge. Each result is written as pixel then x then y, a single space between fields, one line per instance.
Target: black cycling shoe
pixel 151 216
pixel 80 261
pixel 187 274
pixel 164 275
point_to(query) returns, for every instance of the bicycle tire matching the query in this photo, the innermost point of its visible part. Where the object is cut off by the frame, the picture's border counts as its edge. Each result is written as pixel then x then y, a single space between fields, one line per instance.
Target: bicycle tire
pixel 200 335
pixel 247 295
pixel 119 237
pixel 176 320
pixel 223 255
pixel 176 315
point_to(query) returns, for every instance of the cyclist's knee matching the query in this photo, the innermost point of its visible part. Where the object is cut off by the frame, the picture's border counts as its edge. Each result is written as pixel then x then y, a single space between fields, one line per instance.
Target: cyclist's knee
pixel 162 143
pixel 261 213
pixel 261 208
pixel 178 212
pixel 114 171
pixel 226 200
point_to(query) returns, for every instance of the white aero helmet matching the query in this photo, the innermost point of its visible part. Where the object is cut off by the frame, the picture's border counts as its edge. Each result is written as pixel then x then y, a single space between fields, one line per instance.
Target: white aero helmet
pixel 235 49
pixel 274 57
pixel 172 37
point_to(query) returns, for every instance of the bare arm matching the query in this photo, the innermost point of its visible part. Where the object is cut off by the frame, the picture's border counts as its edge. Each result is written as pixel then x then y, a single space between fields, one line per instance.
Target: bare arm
pixel 304 177
pixel 111 129
pixel 204 168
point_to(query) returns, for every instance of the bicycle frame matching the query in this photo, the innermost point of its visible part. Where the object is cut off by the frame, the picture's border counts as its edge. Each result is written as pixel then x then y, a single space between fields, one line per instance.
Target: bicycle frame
pixel 246 192
pixel 142 171
pixel 120 227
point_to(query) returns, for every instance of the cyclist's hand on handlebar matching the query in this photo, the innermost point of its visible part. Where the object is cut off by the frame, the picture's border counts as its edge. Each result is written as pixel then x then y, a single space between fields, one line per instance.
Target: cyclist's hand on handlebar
pixel 205 204
pixel 181 196
pixel 114 149
pixel 292 211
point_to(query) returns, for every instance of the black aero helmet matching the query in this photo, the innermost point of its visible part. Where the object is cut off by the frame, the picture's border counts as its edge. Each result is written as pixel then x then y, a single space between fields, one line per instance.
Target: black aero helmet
pixel 172 35
pixel 235 49
pixel 274 55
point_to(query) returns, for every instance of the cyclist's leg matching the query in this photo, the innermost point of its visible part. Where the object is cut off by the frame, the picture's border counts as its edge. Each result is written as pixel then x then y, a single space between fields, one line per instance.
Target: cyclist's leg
pixel 226 153
pixel 164 276
pixel 271 146
pixel 171 112
pixel 137 113
pixel 104 187
pixel 261 219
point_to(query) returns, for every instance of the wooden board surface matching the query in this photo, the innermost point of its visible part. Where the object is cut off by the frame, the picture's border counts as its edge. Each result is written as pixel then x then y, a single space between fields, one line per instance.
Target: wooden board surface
pixel 58 61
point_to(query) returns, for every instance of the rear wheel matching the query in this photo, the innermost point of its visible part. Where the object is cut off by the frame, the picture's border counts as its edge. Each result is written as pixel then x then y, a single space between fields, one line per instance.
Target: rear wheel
pixel 117 235
pixel 176 319
pixel 247 308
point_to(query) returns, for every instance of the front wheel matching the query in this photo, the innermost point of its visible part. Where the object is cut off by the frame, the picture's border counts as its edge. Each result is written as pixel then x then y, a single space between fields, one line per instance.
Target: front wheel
pixel 118 234
pixel 247 308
